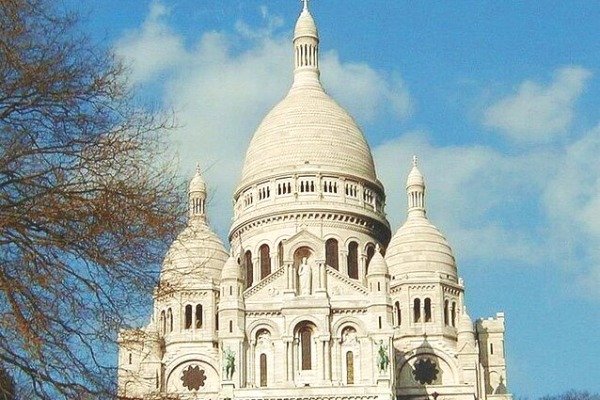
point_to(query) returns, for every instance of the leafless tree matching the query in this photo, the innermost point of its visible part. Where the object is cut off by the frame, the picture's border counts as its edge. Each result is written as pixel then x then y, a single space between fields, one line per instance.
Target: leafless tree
pixel 87 203
pixel 573 395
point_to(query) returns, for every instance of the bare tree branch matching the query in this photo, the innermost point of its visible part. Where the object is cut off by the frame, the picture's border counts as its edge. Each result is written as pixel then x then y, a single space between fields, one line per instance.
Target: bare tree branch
pixel 88 203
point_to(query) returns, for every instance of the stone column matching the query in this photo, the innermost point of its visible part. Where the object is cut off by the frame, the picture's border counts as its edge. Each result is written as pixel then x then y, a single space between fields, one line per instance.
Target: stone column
pixel 327 360
pixel 251 377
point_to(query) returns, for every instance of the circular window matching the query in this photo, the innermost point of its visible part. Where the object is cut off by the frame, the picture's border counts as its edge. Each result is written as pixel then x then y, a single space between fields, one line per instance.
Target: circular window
pixel 193 377
pixel 425 371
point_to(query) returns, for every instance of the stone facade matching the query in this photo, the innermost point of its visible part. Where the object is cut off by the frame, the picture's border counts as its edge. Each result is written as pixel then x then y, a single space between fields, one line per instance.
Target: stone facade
pixel 306 305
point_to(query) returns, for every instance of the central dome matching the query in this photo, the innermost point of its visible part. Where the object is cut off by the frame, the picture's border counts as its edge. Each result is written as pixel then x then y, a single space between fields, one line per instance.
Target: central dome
pixel 308 130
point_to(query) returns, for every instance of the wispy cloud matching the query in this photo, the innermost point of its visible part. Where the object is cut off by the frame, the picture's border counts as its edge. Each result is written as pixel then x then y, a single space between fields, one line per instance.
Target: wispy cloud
pixel 536 113
pixel 153 48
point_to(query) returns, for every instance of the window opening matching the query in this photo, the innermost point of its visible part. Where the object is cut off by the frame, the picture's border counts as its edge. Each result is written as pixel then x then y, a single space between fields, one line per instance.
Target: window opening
pixel 428 310
pixel 265 261
pixel 188 316
pixel 331 253
pixel 263 370
pixel 353 260
pixel 198 316
pixel 417 310
pixel 349 368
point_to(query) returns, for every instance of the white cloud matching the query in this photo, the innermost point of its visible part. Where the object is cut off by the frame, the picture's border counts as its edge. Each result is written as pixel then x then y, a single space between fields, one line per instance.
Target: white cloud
pixel 471 193
pixel 537 113
pixel 363 90
pixel 153 48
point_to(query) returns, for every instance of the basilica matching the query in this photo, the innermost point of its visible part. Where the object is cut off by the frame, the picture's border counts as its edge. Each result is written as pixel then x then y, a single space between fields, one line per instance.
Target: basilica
pixel 315 298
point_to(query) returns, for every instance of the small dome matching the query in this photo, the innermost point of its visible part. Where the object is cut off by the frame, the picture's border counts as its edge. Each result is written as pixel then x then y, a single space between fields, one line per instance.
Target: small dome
pixel 231 270
pixel 196 256
pixel 466 329
pixel 465 324
pixel 415 178
pixel 418 246
pixel 305 26
pixel 197 183
pixel 378 266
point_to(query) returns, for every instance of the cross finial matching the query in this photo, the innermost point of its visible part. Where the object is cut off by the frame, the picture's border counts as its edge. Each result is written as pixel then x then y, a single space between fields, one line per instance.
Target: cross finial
pixel 414 161
pixel 305 4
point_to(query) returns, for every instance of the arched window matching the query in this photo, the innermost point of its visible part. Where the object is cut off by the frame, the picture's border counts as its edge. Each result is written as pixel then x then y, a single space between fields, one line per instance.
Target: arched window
pixel 280 253
pixel 198 316
pixel 306 348
pixel 230 326
pixel 249 269
pixel 446 306
pixel 398 314
pixel 170 318
pixel 163 322
pixel 265 261
pixel 263 370
pixel 131 358
pixel 454 314
pixel 417 310
pixel 353 260
pixel 331 253
pixel 427 309
pixel 349 368
pixel 370 254
pixel 188 316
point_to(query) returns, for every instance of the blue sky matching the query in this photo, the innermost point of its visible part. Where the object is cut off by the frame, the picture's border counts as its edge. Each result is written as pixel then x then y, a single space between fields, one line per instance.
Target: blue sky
pixel 499 99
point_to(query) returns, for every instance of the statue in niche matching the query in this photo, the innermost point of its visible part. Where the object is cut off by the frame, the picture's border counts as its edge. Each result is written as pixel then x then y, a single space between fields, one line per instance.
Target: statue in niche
pixel 383 359
pixel 305 277
pixel 349 336
pixel 229 363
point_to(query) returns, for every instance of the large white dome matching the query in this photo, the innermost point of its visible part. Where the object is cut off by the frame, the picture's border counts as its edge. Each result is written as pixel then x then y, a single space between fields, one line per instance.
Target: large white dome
pixel 308 130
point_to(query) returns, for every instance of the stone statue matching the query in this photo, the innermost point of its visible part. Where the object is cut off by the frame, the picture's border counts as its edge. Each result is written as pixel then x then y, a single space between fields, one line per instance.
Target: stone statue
pixel 305 277
pixel 383 359
pixel 229 363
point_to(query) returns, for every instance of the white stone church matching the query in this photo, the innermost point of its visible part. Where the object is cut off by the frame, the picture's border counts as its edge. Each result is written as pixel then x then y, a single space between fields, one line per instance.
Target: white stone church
pixel 316 298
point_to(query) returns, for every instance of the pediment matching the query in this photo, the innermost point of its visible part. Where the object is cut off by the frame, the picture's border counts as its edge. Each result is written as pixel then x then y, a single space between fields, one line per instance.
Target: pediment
pixel 339 285
pixel 268 289
pixel 304 238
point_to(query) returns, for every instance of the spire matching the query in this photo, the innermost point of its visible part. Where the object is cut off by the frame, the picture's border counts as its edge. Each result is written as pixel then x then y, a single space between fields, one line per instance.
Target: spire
pixel 306 49
pixel 197 197
pixel 415 190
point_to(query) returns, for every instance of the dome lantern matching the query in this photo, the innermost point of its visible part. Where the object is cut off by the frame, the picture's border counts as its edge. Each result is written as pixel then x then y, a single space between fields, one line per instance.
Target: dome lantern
pixel 415 190
pixel 306 50
pixel 197 197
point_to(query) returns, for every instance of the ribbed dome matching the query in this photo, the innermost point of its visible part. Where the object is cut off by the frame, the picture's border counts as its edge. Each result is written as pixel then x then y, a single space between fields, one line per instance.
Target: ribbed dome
pixel 231 270
pixel 465 324
pixel 305 26
pixel 308 131
pixel 196 256
pixel 418 246
pixel 378 266
pixel 197 183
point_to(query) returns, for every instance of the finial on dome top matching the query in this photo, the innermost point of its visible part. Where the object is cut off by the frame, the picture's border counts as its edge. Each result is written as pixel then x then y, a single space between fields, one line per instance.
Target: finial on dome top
pixel 305 4
pixel 198 169
pixel 415 186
